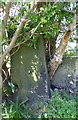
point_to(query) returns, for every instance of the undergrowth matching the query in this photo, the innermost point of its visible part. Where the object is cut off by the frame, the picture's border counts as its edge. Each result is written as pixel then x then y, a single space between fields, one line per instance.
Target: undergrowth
pixel 60 105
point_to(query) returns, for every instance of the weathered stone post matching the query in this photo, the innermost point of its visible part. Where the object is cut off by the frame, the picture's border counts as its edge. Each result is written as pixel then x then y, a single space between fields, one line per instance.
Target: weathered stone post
pixel 66 73
pixel 29 72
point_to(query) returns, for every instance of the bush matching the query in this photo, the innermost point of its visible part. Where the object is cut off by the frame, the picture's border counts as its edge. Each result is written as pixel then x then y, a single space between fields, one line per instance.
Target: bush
pixel 60 106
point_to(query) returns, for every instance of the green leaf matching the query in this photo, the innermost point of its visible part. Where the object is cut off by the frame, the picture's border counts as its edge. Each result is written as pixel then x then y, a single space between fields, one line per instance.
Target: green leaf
pixel 23 102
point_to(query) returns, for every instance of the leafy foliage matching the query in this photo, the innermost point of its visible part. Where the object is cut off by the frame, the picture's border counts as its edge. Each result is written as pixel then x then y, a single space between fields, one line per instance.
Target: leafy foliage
pixel 60 105
pixel 70 51
pixel 51 17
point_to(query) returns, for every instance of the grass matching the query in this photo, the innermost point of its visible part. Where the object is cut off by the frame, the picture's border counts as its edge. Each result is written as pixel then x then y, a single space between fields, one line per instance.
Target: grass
pixel 60 105
pixel 16 110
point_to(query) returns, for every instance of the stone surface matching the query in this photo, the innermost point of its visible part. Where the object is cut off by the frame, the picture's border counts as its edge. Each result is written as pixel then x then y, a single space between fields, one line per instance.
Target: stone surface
pixel 77 67
pixel 65 76
pixel 28 71
pixel 0 86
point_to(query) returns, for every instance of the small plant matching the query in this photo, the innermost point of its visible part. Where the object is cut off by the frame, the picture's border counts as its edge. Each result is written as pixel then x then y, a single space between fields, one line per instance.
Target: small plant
pixel 70 51
pixel 60 106
pixel 16 110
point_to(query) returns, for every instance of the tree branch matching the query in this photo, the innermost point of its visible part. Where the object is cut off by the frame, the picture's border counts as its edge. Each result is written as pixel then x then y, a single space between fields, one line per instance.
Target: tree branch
pixel 29 37
pixel 69 11
pixel 11 45
pixel 8 5
pixel 14 38
pixel 57 59
pixel 32 33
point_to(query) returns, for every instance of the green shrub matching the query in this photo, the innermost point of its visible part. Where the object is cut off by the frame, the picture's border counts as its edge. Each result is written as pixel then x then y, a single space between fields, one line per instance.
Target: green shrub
pixel 60 106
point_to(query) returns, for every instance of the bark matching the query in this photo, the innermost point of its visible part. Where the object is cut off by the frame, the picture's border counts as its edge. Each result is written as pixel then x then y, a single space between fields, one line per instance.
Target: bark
pixel 8 5
pixel 69 11
pixel 50 50
pixel 53 46
pixel 14 38
pixel 57 59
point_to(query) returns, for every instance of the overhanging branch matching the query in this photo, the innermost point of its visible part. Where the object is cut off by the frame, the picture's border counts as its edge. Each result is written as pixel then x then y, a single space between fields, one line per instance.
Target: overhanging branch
pixel 14 38
pixel 8 5
pixel 11 45
pixel 69 11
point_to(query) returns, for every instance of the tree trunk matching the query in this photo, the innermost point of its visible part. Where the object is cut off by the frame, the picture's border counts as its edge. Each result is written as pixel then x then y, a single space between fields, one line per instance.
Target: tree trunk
pixel 57 59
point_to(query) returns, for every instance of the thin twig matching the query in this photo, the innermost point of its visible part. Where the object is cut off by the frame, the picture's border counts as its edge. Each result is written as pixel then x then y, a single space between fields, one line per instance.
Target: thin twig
pixel 69 11
pixel 35 30
pixel 29 37
pixel 15 51
pixel 14 38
